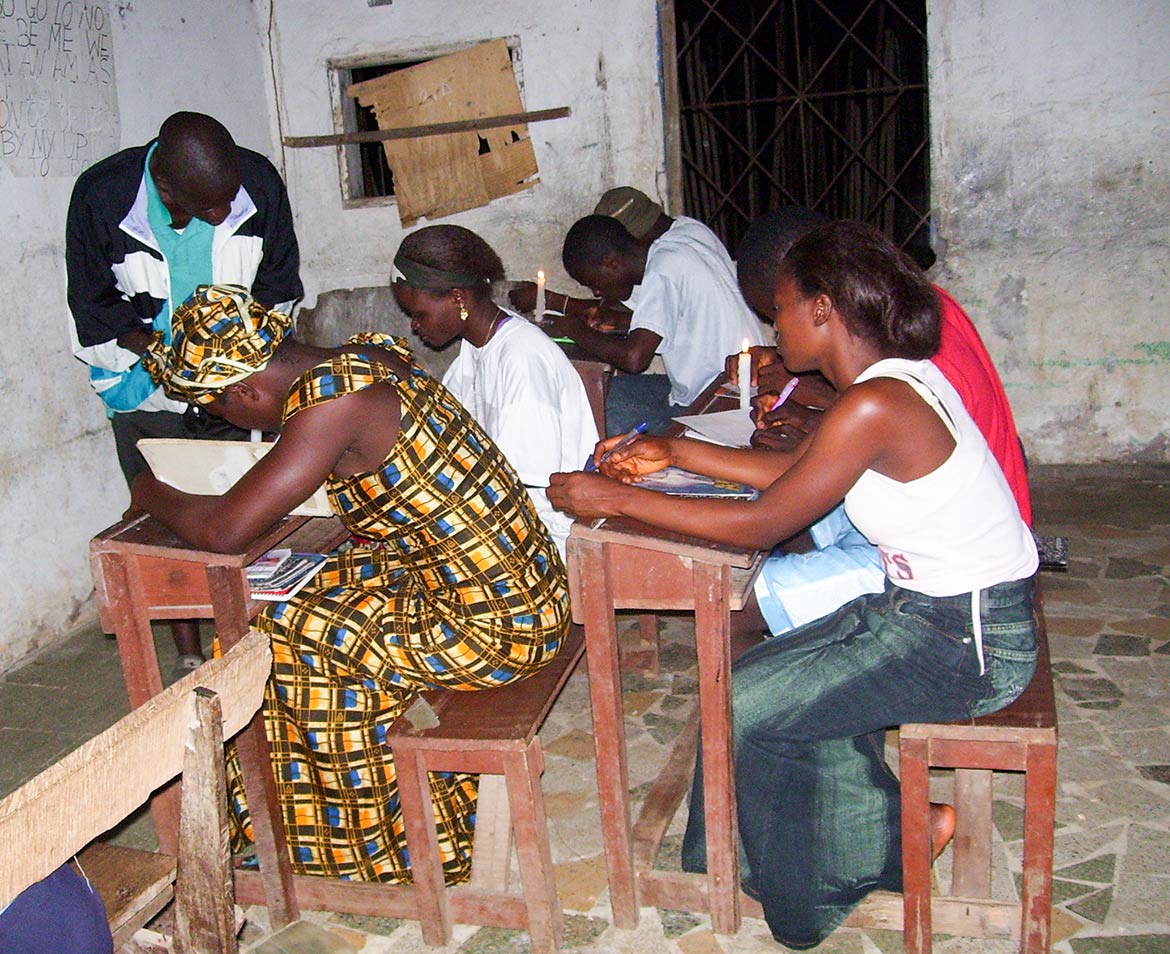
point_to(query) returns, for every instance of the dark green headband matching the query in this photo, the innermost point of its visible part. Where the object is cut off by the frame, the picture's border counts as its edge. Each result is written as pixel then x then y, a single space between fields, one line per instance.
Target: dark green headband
pixel 417 275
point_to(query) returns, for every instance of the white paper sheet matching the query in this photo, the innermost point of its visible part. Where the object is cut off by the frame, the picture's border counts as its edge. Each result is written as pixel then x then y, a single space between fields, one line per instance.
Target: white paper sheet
pixel 731 428
pixel 212 467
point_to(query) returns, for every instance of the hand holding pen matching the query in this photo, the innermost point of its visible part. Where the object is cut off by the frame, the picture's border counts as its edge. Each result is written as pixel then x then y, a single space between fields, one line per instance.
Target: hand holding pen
pixel 626 441
pixel 785 394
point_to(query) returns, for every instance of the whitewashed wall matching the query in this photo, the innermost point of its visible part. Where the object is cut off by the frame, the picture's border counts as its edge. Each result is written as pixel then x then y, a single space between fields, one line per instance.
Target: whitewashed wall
pixel 1051 195
pixel 59 478
pixel 598 57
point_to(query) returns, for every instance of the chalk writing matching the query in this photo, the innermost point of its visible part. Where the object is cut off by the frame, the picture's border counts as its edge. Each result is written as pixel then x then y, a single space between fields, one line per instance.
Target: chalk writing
pixel 58 101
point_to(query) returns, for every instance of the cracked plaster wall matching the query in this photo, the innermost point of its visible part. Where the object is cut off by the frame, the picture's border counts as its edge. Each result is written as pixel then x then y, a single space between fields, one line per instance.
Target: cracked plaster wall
pixel 59 478
pixel 599 58
pixel 1051 191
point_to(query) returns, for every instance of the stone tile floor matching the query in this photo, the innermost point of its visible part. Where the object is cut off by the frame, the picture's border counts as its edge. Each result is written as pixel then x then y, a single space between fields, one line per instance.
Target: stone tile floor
pixel 1109 625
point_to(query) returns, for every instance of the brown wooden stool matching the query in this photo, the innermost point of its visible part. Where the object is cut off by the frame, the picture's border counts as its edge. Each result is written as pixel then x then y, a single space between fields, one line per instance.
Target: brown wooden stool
pixel 492 732
pixel 1019 738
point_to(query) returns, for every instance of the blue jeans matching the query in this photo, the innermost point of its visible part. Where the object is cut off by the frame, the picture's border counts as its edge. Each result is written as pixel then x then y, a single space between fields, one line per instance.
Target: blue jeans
pixel 819 810
pixel 634 398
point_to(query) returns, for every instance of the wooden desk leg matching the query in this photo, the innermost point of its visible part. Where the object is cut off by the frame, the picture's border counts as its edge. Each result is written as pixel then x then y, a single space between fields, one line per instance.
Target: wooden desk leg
pixel 426 869
pixel 713 646
pixel 545 917
pixel 1039 811
pixel 140 670
pixel 230 598
pixel 609 734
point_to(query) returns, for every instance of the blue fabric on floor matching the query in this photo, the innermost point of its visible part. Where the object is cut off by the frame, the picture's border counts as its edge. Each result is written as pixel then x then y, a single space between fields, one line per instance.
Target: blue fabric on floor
pixel 60 914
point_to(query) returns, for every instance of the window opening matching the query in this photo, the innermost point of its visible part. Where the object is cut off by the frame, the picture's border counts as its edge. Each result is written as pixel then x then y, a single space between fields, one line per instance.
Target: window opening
pixel 804 102
pixel 366 177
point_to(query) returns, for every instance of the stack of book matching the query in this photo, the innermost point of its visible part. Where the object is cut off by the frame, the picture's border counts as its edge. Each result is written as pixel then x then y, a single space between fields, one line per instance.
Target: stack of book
pixel 278 574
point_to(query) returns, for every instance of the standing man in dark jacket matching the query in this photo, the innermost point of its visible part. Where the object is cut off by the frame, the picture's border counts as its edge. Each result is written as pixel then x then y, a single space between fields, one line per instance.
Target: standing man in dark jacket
pixel 146 226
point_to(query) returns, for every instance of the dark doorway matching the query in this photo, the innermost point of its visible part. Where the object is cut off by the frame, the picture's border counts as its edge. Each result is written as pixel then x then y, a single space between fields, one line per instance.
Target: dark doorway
pixel 801 102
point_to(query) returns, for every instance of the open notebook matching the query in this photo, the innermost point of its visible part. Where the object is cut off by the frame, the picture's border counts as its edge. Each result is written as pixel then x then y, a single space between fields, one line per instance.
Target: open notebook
pixel 211 467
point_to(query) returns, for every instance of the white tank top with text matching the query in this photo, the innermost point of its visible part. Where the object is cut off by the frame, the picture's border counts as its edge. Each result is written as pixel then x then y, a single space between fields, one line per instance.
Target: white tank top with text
pixel 954 530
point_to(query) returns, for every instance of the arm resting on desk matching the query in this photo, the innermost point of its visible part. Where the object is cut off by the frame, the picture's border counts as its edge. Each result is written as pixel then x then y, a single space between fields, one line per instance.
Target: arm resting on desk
pixel 855 435
pixel 756 468
pixel 631 352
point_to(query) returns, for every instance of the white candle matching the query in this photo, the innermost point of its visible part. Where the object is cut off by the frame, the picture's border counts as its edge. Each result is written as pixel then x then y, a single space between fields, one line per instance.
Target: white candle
pixel 743 373
pixel 539 313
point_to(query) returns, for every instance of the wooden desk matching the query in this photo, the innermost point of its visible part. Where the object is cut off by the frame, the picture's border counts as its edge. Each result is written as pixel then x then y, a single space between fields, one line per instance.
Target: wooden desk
pixel 623 564
pixel 143 572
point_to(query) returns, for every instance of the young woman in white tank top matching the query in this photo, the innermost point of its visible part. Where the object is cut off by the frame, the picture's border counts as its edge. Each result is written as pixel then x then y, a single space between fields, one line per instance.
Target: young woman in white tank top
pixel 952 636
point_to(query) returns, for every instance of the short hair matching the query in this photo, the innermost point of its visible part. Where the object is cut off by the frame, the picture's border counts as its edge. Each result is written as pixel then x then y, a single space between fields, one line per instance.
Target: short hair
pixel 591 239
pixel 452 248
pixel 879 291
pixel 197 154
pixel 767 241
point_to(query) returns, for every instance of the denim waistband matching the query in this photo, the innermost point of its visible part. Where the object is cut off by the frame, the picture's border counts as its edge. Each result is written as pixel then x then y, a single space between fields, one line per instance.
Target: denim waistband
pixel 991 597
pixel 976 602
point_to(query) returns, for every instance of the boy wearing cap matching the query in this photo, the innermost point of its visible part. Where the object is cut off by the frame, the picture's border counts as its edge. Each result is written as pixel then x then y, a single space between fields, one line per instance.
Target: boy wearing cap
pixel 688 306
pixel 646 221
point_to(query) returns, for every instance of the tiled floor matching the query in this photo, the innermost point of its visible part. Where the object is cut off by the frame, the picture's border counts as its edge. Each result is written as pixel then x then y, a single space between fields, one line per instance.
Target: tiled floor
pixel 1109 624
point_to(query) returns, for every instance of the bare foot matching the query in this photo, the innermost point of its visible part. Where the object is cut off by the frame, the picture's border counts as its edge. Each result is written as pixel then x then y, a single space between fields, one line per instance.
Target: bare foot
pixel 942 828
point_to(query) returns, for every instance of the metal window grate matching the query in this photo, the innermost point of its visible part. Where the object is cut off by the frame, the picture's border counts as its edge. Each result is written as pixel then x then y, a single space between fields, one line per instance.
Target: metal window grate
pixel 805 102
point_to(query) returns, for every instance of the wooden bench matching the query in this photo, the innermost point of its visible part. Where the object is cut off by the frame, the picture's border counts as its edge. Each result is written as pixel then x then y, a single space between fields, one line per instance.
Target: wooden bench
pixel 1019 738
pixel 492 732
pixel 181 730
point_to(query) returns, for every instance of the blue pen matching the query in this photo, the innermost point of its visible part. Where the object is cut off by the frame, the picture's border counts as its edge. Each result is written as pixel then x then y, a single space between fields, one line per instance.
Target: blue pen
pixel 624 442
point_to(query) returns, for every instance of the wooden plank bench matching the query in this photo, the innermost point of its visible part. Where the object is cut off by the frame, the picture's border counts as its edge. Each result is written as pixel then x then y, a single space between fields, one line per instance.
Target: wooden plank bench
pixel 1018 738
pixel 492 732
pixel 181 730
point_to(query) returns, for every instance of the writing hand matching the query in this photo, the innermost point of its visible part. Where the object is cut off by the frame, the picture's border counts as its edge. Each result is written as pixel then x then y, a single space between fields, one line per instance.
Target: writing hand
pixel 782 438
pixel 523 297
pixel 632 461
pixel 585 496
pixel 608 318
pixel 812 391
pixel 792 415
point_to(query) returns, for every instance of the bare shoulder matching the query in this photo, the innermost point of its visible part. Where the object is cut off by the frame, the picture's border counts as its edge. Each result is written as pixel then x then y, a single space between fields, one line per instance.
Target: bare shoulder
pixel 878 396
pixel 872 417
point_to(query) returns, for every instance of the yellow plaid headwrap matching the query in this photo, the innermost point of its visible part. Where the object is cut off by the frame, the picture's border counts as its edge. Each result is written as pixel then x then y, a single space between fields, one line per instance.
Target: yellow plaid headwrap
pixel 219 335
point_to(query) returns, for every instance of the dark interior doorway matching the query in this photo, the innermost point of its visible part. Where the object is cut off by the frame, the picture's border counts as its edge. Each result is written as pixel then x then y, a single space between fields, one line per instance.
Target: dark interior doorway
pixel 800 102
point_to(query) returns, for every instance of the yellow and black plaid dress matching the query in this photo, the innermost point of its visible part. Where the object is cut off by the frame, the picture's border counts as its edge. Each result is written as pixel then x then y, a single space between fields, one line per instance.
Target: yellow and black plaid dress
pixel 461 589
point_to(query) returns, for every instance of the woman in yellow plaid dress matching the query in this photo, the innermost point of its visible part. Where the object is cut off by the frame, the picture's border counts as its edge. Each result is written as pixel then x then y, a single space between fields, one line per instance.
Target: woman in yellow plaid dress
pixel 458 587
